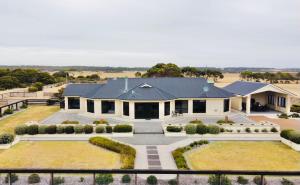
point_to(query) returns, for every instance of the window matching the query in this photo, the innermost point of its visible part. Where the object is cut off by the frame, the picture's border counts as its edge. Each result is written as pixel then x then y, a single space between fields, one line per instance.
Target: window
pixel 108 107
pixel 90 106
pixel 181 106
pixel 281 102
pixel 199 106
pixel 226 105
pixel 271 100
pixel 73 103
pixel 167 108
pixel 126 108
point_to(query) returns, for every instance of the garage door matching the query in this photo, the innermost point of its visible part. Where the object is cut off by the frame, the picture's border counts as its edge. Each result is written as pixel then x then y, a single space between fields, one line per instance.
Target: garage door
pixel 146 111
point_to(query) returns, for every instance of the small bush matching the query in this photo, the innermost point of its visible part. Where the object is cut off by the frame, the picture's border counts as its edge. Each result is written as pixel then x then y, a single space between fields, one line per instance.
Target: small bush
pixel 21 130
pixel 294 115
pixel 69 129
pixel 24 106
pixel 152 180
pixel 42 129
pixel 100 129
pixel 81 179
pixel 222 121
pixel 8 111
pixel 78 129
pixel 286 133
pixel 58 180
pixel 13 178
pixel 213 129
pixel 108 129
pixel 33 129
pixel 173 182
pixel 257 180
pixel 264 130
pixel 191 129
pixel 68 122
pixel 126 179
pixel 104 179
pixel 248 130
pixel 256 130
pixel 242 180
pixel 51 129
pixel 285 181
pixel 215 180
pixel 34 178
pixel 196 121
pixel 283 116
pixel 101 121
pixel 32 89
pixel 88 129
pixel 60 129
pixel 295 108
pixel 202 129
pixel 273 129
pixel 122 128
pixel 6 138
pixel 172 128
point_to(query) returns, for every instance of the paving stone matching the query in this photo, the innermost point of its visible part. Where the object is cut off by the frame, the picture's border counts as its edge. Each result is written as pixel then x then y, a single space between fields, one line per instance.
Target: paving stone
pixel 151 147
pixel 153 157
pixel 152 152
pixel 154 163
pixel 155 168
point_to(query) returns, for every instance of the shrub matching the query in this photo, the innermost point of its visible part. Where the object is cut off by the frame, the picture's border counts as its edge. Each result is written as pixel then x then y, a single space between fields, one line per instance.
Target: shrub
pixel 24 106
pixel 295 108
pixel 295 137
pixel 127 152
pixel 242 180
pixel 152 180
pixel 13 178
pixel 172 128
pixel 8 111
pixel 215 180
pixel 34 178
pixel 122 128
pixel 173 182
pixel 286 133
pixel 88 129
pixel 68 122
pixel 33 129
pixel 126 179
pixel 58 180
pixel 283 116
pixel 101 121
pixel 257 180
pixel 38 85
pixel 6 138
pixel 78 129
pixel 51 129
pixel 196 121
pixel 213 129
pixel 221 121
pixel 32 89
pixel 191 129
pixel 100 129
pixel 104 179
pixel 248 130
pixel 21 130
pixel 69 129
pixel 42 129
pixel 108 129
pixel 256 130
pixel 285 181
pixel 294 115
pixel 202 129
pixel 273 129
pixel 81 179
pixel 60 129
pixel 264 130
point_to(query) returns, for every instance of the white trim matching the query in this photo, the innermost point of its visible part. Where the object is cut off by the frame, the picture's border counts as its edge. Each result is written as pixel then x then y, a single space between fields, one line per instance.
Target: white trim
pixel 271 87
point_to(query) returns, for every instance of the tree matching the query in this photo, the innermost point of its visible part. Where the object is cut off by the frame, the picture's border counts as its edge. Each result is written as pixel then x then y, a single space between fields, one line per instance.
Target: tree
pixel 138 74
pixel 164 70
pixel 189 71
pixel 9 82
pixel 62 74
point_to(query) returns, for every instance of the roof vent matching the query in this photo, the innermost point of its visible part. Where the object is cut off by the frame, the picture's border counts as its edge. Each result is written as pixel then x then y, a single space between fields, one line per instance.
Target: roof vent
pixel 205 89
pixel 145 86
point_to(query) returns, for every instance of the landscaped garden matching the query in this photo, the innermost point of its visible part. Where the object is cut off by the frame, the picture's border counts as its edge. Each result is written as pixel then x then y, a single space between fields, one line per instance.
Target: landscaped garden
pixel 236 155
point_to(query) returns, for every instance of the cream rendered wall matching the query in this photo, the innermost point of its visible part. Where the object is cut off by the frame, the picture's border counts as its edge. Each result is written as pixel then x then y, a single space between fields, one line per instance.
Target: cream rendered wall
pixel 236 103
pixel 215 107
pixel 97 104
pixel 83 105
pixel 262 98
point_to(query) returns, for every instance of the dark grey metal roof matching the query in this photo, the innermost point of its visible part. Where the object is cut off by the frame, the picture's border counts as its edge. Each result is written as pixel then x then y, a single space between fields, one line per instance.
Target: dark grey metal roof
pixel 244 88
pixel 81 89
pixel 161 89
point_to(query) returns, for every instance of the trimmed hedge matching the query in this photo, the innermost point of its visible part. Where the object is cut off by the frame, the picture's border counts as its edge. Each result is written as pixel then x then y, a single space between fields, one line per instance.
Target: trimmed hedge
pixel 291 135
pixel 213 129
pixel 172 128
pixel 6 138
pixel 78 129
pixel 88 129
pixel 100 129
pixel 122 128
pixel 196 121
pixel 202 129
pixel 108 129
pixel 32 129
pixel 101 121
pixel 127 152
pixel 69 129
pixel 68 122
pixel 21 130
pixel 295 108
pixel 42 129
pixel 51 129
pixel 191 128
pixel 221 121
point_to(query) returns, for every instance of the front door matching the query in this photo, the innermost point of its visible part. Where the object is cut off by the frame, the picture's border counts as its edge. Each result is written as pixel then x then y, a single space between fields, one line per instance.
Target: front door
pixel 146 110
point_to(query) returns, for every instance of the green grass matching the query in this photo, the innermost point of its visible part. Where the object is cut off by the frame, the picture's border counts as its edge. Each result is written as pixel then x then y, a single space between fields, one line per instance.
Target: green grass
pixel 32 113
pixel 237 155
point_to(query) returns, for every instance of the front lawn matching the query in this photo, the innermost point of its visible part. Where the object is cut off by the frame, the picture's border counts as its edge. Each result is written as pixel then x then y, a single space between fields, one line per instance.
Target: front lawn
pixel 245 155
pixel 58 154
pixel 32 113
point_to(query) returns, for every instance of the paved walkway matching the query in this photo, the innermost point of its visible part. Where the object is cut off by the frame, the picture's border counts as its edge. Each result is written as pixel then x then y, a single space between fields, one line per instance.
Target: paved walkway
pixel 149 139
pixel 283 123
pixel 153 158
pixel 148 127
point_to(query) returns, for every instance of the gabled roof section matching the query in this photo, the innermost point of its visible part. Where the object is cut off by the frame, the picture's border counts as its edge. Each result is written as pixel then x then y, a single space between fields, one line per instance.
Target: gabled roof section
pixel 243 88
pixel 83 90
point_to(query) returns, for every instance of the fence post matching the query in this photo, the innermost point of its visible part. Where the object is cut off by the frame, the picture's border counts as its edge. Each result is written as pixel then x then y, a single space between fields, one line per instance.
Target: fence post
pixel 135 179
pixel 9 178
pixel 262 180
pixel 220 179
pixel 177 178
pixel 94 178
pixel 51 178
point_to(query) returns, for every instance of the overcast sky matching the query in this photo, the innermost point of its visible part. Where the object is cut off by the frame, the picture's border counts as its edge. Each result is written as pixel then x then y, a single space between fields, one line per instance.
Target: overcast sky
pixel 220 33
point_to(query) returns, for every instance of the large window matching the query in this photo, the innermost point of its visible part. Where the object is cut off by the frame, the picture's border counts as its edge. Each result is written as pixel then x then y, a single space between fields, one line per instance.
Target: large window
pixel 271 99
pixel 126 108
pixel 108 107
pixel 199 106
pixel 73 103
pixel 226 105
pixel 281 102
pixel 90 106
pixel 167 108
pixel 181 106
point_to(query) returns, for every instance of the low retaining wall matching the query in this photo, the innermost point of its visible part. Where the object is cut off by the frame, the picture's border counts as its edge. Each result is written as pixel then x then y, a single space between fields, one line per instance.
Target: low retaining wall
pixel 291 144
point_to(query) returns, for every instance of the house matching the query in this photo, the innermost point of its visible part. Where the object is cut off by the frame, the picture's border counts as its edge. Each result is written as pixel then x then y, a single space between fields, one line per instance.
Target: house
pixel 254 96
pixel 148 98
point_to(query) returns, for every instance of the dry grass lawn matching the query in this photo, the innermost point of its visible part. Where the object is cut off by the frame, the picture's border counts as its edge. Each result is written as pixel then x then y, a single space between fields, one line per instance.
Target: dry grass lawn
pixel 236 155
pixel 58 154
pixel 32 113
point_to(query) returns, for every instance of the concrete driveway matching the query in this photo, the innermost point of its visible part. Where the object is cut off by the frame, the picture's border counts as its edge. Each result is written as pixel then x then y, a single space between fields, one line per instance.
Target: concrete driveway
pixel 284 123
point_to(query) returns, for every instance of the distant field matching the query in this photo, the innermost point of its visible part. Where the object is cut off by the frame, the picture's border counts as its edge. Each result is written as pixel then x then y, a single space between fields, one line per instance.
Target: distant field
pixel 102 74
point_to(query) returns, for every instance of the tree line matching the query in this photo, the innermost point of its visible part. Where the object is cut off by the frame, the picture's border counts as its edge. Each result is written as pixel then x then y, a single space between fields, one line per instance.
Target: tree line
pixel 279 77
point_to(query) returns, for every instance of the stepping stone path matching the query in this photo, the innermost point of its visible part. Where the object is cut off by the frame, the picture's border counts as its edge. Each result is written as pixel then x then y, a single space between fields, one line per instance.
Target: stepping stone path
pixel 153 158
